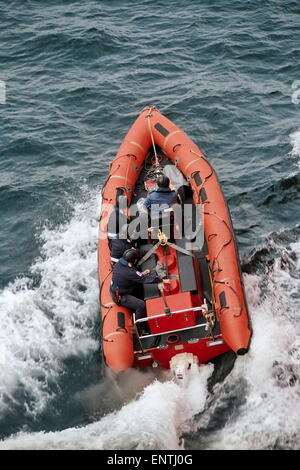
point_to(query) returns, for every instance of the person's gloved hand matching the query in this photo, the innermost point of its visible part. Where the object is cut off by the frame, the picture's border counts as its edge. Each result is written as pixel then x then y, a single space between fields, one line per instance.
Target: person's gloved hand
pixel 147 271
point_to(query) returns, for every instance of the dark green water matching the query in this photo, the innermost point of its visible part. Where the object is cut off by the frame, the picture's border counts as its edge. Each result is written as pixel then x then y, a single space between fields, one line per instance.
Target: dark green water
pixel 76 74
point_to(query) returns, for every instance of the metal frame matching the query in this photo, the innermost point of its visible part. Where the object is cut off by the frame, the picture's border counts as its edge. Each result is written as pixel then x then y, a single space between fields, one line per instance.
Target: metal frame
pixel 140 320
pixel 146 319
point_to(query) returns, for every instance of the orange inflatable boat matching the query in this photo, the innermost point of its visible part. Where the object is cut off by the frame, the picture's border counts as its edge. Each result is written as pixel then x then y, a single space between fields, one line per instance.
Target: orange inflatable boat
pixel 201 310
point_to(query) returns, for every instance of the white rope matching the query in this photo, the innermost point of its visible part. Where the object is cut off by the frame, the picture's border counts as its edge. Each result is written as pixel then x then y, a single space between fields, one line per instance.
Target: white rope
pixel 150 129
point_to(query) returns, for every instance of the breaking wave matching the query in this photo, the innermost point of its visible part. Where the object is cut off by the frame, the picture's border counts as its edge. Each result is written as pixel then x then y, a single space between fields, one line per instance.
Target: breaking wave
pixel 295 142
pixel 261 394
pixel 50 315
pixel 155 420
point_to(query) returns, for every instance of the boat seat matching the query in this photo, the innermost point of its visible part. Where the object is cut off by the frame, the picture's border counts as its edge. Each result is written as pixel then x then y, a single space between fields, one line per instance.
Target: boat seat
pixel 151 291
pixel 186 269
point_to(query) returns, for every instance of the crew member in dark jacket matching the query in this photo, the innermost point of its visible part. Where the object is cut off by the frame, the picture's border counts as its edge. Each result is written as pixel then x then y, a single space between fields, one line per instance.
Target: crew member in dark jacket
pixel 157 203
pixel 126 280
pixel 163 196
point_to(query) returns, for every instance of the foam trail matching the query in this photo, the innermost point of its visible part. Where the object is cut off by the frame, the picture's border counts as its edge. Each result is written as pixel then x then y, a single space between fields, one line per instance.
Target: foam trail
pixel 261 395
pixel 154 421
pixel 42 325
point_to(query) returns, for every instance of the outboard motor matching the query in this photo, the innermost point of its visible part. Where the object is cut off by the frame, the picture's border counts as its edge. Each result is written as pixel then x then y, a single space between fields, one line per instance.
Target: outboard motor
pixel 184 366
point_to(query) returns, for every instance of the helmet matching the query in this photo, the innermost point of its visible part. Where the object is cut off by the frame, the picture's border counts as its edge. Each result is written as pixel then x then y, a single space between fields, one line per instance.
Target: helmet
pixel 130 255
pixel 163 181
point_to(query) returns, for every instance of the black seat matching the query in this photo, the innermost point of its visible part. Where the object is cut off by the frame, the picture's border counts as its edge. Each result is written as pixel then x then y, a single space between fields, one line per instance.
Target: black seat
pixel 186 268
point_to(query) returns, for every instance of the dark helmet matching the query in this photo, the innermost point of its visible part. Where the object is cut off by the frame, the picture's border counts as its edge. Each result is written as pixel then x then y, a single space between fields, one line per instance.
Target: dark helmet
pixel 130 255
pixel 163 181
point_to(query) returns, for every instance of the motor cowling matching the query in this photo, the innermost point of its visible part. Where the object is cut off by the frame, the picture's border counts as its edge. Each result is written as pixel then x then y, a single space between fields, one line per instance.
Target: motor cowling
pixel 184 366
